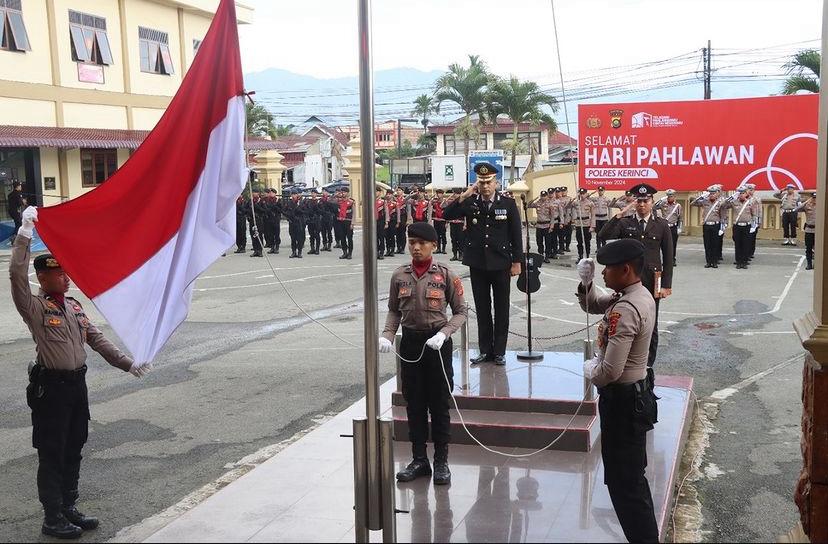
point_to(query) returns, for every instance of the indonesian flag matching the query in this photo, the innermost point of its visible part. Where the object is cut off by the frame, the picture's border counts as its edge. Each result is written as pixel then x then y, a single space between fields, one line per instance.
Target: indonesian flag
pixel 136 244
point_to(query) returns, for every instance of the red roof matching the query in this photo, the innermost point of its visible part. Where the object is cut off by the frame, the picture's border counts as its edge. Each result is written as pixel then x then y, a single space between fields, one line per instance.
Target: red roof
pixel 90 138
pixel 558 138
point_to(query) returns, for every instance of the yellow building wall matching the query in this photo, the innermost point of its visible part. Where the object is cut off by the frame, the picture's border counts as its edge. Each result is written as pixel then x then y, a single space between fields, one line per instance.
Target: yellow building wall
pixel 108 9
pixel 50 168
pixel 31 66
pixel 145 118
pixel 195 28
pixel 19 112
pixel 157 17
pixel 94 116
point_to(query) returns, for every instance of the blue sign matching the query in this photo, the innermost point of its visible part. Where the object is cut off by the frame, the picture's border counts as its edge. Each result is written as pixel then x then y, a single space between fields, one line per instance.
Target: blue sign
pixel 494 157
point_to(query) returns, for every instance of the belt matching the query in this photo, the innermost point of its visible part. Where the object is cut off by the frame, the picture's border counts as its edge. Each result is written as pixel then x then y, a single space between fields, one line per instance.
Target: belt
pixel 541 223
pixel 414 333
pixel 807 226
pixel 788 211
pixel 743 224
pixel 51 374
pixel 601 215
pixel 618 389
pixel 712 223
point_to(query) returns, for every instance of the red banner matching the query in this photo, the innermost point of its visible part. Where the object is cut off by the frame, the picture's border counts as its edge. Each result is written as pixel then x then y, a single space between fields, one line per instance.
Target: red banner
pixel 690 145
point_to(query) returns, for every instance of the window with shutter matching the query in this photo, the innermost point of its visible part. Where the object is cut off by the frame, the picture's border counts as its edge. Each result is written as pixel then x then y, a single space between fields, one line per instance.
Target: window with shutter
pixel 13 35
pixel 155 52
pixel 89 40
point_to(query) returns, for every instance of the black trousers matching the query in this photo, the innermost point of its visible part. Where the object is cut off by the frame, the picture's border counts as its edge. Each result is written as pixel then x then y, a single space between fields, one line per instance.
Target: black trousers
pixel 60 427
pixel 424 387
pixel 241 232
pixel 584 239
pixel 440 227
pixel 711 238
pixel 327 232
pixel 720 247
pixel 315 235
pixel 599 224
pixel 789 224
pixel 753 242
pixel 257 241
pixel 268 232
pixel 674 232
pixel 810 238
pixel 347 237
pixel 488 285
pixel 626 417
pixel 551 243
pixel 338 232
pixel 277 232
pixel 541 235
pixel 741 241
pixel 648 281
pixel 380 236
pixel 402 234
pixel 391 238
pixel 297 235
pixel 17 217
pixel 458 238
pixel 568 235
pixel 564 237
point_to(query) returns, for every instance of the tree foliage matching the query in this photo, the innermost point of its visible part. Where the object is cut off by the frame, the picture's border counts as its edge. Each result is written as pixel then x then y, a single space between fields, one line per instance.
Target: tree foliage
pixel 424 107
pixel 803 70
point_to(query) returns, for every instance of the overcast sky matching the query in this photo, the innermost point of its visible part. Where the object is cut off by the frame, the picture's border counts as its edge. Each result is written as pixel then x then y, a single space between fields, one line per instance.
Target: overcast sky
pixel 319 37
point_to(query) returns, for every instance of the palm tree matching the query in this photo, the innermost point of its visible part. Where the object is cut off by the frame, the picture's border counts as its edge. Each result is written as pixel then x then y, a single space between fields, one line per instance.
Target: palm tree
pixel 804 72
pixel 523 102
pixel 466 87
pixel 424 106
pixel 259 120
pixel 281 130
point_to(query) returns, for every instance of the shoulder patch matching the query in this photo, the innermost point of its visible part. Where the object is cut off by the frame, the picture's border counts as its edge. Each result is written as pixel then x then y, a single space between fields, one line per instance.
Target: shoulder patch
pixel 458 286
pixel 614 318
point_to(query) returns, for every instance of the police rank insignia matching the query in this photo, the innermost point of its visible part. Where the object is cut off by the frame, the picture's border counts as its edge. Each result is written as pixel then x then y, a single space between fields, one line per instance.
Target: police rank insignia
pixel 438 277
pixel 614 318
pixel 55 322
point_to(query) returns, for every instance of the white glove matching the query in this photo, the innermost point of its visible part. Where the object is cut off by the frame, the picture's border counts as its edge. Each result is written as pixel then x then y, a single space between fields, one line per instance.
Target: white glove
pixel 29 217
pixel 140 372
pixel 678 230
pixel 591 366
pixel 385 345
pixel 586 271
pixel 436 341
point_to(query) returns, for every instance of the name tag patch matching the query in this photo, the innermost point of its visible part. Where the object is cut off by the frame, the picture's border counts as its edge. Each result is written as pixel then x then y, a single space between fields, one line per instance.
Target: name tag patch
pixel 434 293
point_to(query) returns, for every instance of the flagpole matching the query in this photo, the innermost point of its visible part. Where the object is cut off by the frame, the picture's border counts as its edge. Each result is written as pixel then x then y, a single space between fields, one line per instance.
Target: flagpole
pixel 369 262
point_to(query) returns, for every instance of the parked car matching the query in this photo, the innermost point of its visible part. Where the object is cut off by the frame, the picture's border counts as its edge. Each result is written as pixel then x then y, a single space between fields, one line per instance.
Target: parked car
pixel 296 188
pixel 335 186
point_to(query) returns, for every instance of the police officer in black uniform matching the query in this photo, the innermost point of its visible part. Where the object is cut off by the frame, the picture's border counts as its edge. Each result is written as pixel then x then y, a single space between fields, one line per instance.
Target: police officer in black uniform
pixel 296 213
pixel 494 251
pixel 327 210
pixel 274 208
pixel 655 233
pixel 314 219
pixel 241 224
pixel 14 205
pixel 255 218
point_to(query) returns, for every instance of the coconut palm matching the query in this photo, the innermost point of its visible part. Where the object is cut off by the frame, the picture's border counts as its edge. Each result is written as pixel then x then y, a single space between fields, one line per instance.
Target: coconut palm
pixel 804 72
pixel 522 102
pixel 259 120
pixel 466 87
pixel 281 130
pixel 424 106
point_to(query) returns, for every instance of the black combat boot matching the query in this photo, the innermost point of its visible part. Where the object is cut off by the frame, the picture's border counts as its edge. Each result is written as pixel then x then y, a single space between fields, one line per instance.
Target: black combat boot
pixel 57 526
pixel 292 254
pixel 350 254
pixel 380 256
pixel 299 254
pixel 442 474
pixel 454 256
pixel 240 250
pixel 272 251
pixel 75 517
pixel 810 265
pixel 417 468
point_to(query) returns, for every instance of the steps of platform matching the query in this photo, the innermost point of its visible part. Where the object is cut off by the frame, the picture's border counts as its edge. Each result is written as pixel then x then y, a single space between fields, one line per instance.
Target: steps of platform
pixel 515 429
pixel 520 405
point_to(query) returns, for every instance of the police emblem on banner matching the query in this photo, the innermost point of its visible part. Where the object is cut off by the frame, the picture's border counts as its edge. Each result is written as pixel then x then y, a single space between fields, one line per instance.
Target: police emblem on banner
pixel 615 118
pixel 594 122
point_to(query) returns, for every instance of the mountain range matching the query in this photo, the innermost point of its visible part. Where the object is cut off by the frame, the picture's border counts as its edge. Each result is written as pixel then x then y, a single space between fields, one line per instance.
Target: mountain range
pixel 292 97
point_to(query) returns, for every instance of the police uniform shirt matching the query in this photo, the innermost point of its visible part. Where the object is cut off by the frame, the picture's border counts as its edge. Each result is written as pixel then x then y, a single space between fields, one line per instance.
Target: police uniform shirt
pixel 623 342
pixel 543 211
pixel 582 213
pixel 601 207
pixel 669 212
pixel 743 212
pixel 658 245
pixel 59 332
pixel 789 202
pixel 420 303
pixel 809 207
pixel 711 210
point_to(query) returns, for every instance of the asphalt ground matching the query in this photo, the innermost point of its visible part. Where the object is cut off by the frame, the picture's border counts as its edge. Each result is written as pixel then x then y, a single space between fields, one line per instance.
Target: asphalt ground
pixel 249 370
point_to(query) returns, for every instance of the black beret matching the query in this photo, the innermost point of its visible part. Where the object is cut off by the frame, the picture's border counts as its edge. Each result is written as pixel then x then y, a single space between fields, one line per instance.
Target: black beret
pixel 582 191
pixel 642 190
pixel 485 169
pixel 543 193
pixel 457 191
pixel 620 251
pixel 423 231
pixel 45 262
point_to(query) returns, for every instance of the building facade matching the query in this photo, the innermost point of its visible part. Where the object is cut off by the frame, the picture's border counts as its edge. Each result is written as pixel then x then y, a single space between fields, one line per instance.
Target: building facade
pixel 83 81
pixel 385 134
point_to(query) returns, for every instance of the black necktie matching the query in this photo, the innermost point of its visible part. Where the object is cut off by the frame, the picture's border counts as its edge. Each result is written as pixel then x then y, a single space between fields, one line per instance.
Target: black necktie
pixel 641 225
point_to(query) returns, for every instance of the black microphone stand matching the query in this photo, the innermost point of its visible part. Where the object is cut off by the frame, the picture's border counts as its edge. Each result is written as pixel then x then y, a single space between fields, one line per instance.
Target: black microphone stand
pixel 529 355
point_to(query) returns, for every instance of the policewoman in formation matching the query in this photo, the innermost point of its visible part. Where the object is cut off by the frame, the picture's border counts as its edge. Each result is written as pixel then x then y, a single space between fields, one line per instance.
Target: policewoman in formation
pixel 627 405
pixel 57 391
pixel 494 252
pixel 419 295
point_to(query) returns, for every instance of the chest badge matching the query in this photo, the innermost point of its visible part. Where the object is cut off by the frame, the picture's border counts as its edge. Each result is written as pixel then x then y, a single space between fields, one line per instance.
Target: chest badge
pixel 438 277
pixel 405 291
pixel 434 303
pixel 55 322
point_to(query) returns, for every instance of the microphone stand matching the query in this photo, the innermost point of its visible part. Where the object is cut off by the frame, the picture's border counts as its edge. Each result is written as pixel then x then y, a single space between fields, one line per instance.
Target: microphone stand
pixel 530 356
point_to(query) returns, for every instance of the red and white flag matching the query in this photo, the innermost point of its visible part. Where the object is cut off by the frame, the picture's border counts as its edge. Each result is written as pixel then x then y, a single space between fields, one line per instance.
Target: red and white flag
pixel 136 245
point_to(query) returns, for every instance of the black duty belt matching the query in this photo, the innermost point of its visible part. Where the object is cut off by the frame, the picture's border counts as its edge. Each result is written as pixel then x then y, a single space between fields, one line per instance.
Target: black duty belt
pixel 415 334
pixel 600 215
pixel 712 223
pixel 52 374
pixel 788 211
pixel 807 226
pixel 742 224
pixel 623 389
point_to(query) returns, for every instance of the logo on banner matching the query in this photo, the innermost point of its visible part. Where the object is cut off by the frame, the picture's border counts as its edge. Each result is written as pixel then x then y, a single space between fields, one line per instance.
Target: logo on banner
pixel 594 122
pixel 644 120
pixel 449 172
pixel 615 118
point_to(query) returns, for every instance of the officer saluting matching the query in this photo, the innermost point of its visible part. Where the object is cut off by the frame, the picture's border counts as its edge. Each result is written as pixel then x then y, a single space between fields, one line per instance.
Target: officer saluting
pixel 57 391
pixel 626 404
pixel 419 295
pixel 494 251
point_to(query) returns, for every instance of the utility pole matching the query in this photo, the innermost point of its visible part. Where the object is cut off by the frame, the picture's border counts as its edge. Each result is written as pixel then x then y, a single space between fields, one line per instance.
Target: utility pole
pixel 707 70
